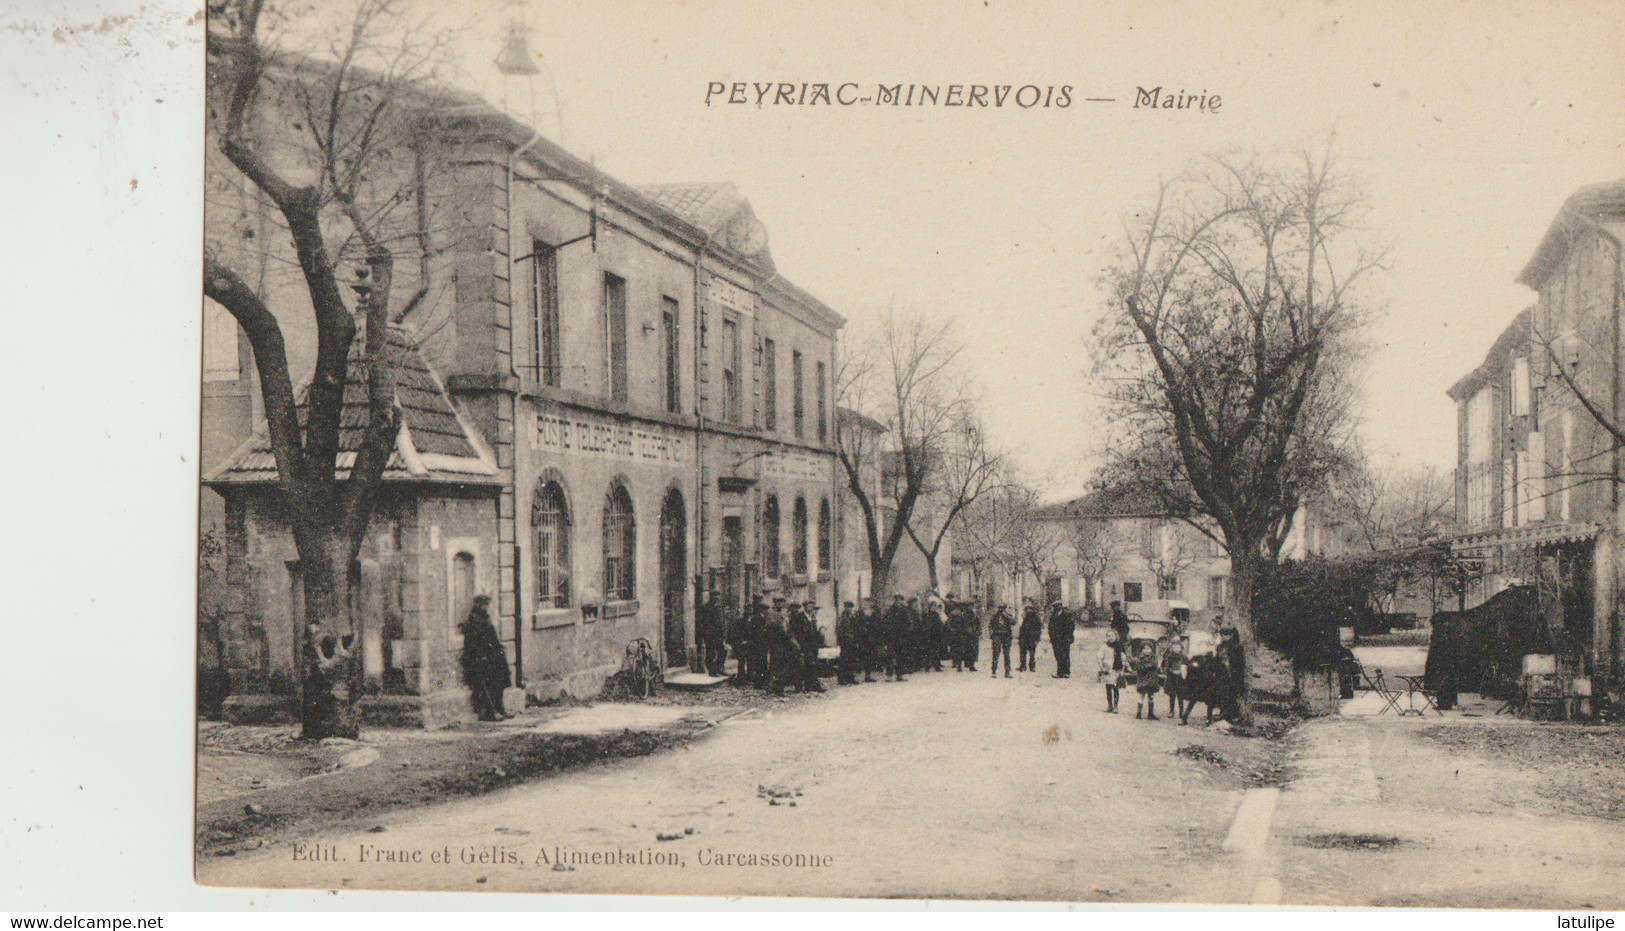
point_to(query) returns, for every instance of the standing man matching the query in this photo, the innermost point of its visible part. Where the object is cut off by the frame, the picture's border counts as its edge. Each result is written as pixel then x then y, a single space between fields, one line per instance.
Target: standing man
pixel 846 624
pixel 748 648
pixel 867 637
pixel 897 629
pixel 708 635
pixel 999 632
pixel 1032 630
pixel 1233 663
pixel 1120 623
pixel 485 661
pixel 933 629
pixel 1061 633
pixel 780 653
pixel 808 640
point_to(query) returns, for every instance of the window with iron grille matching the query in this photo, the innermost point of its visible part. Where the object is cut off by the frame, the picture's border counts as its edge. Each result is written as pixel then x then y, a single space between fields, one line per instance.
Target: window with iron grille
pixel 826 538
pixel 798 528
pixel 620 546
pixel 551 518
pixel 770 538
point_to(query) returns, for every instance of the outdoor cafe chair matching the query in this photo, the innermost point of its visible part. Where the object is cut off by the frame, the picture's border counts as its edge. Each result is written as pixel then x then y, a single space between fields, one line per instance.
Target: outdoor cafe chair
pixel 1375 681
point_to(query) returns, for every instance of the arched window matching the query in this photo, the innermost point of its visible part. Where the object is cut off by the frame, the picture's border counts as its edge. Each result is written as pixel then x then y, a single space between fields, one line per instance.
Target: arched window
pixel 770 538
pixel 551 517
pixel 798 528
pixel 826 538
pixel 620 546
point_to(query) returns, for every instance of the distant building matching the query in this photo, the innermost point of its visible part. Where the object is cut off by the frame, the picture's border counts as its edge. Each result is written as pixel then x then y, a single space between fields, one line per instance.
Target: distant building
pixel 1538 475
pixel 1115 545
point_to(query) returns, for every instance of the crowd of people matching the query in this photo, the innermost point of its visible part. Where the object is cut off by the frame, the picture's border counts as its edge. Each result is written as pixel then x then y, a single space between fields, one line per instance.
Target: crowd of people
pixel 775 645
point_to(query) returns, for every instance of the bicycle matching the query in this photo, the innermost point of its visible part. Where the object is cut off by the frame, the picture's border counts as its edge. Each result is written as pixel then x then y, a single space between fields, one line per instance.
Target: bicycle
pixel 641 669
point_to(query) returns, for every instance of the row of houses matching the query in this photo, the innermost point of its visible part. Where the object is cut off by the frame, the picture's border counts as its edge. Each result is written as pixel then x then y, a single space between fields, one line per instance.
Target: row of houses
pixel 611 399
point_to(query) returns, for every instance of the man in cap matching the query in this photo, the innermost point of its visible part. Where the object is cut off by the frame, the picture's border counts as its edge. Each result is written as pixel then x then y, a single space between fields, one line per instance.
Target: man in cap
pixel 1062 630
pixel 999 631
pixel 846 631
pixel 783 659
pixel 809 640
pixel 708 635
pixel 896 630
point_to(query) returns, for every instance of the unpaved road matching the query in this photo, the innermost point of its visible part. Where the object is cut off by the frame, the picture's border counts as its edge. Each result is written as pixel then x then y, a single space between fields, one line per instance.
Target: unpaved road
pixel 949 785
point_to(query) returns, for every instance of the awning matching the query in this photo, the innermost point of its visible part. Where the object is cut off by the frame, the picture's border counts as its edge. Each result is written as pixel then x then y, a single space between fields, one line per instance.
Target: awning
pixel 1530 535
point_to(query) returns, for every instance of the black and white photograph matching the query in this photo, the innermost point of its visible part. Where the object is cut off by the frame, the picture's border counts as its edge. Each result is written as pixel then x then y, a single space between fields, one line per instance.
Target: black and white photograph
pixel 1105 453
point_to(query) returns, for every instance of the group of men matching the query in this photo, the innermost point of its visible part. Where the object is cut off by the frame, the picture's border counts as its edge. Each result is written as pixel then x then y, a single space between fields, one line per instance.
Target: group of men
pixel 776 646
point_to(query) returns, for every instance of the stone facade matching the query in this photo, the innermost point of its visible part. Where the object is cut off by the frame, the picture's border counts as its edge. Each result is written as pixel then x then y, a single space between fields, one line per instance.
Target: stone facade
pixel 647 389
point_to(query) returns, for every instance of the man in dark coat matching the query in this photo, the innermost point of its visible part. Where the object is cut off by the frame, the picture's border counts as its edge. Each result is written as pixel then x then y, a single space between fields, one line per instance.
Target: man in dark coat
pixel 783 659
pixel 897 629
pixel 1032 631
pixel 867 637
pixel 708 635
pixel 746 636
pixel 1233 661
pixel 933 631
pixel 954 620
pixel 808 641
pixel 1061 633
pixel 485 661
pixel 1120 622
pixel 999 631
pixel 846 638
pixel 970 632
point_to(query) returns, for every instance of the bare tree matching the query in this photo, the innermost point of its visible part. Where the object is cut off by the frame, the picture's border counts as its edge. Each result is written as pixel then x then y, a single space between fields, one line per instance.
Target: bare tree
pixel 967 469
pixel 1227 343
pixel 1097 549
pixel 328 144
pixel 905 381
pixel 1170 557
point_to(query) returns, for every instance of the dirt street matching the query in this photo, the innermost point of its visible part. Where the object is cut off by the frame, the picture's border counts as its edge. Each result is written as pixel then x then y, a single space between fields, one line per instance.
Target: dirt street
pixel 947 785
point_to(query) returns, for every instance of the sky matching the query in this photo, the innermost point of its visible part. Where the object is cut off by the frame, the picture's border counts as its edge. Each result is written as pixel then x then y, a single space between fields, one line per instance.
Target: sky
pixel 1465 126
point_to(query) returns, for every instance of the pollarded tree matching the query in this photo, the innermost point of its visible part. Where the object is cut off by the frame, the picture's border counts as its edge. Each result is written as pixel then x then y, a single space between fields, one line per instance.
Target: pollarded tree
pixel 330 142
pixel 1228 341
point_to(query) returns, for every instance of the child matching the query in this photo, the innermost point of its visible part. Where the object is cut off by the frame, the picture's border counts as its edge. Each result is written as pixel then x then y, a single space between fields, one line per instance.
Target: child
pixel 1110 658
pixel 1144 665
pixel 1173 673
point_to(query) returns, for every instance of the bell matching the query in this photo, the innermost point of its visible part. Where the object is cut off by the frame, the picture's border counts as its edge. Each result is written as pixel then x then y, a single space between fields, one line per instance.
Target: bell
pixel 516 57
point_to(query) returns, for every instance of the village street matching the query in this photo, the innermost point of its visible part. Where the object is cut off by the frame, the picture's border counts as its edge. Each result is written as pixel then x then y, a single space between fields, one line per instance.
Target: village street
pixel 960 785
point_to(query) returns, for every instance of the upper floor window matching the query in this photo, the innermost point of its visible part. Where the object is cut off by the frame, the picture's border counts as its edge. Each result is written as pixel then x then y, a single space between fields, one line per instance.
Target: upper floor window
pixel 615 335
pixel 823 404
pixel 671 346
pixel 770 385
pixel 1520 386
pixel 731 400
pixel 551 517
pixel 799 392
pixel 620 545
pixel 544 306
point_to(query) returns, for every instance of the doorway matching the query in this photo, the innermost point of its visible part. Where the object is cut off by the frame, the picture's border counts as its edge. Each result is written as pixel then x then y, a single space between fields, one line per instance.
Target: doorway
pixel 674 578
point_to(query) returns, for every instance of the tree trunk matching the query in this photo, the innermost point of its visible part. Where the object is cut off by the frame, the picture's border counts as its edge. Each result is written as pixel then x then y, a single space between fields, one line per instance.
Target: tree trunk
pixel 330 645
pixel 1246 568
